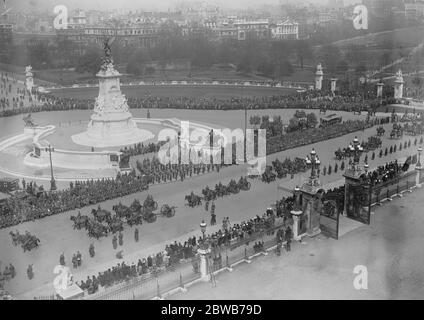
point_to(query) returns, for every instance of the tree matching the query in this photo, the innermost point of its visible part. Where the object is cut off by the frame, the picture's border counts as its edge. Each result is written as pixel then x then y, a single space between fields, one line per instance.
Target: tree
pixel 312 120
pixel 395 148
pixel 385 152
pixel 409 143
pixel 336 168
pixel 421 140
pixel 90 61
pixel 39 54
pixel 137 62
pixel 373 156
pixel 342 166
pixel 400 146
pixel 415 141
pixel 391 149
pixel 329 169
pixel 381 153
pixel 255 120
pixel 324 171
pixel 330 55
pixel 303 51
pixel 342 66
pixel 366 158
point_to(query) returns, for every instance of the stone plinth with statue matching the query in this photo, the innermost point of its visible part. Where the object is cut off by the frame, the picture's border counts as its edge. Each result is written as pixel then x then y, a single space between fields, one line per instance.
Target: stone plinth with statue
pixel 111 123
pixel 356 204
pixel 399 85
pixel 319 77
pixel 29 79
pixel 311 196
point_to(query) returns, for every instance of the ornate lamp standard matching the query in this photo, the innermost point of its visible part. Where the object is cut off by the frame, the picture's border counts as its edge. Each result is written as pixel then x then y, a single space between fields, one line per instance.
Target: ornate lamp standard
pixel 419 168
pixel 203 251
pixel 311 198
pixel 52 181
pixel 313 162
pixel 357 150
pixel 203 229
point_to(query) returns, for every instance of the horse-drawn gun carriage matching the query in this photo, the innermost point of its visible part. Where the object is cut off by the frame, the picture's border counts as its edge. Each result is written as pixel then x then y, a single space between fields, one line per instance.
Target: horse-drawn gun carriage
pixel 243 184
pixel 233 187
pixel 221 190
pixel 115 224
pixel 149 216
pixel 122 211
pixel 80 221
pixel 150 204
pixel 167 211
pixel 397 131
pixel 96 229
pixel 27 241
pixel 209 194
pixel 101 215
pixel 268 176
pixel 380 131
pixel 193 200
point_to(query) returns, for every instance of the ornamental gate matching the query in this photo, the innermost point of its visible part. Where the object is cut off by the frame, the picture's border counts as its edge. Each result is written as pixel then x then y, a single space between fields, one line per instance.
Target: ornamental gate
pixel 358 202
pixel 333 202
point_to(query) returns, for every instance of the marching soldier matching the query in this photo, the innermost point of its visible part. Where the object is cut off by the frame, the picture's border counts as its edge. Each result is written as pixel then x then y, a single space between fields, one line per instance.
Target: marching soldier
pixel 79 259
pixel 121 238
pixel 74 261
pixel 114 242
pixel 91 251
pixel 62 259
pixel 213 219
pixel 136 234
pixel 288 237
pixel 30 272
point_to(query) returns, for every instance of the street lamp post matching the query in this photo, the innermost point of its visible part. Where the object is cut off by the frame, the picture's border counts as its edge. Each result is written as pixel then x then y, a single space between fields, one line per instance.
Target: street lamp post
pixel 52 180
pixel 313 162
pixel 203 229
pixel 203 251
pixel 357 150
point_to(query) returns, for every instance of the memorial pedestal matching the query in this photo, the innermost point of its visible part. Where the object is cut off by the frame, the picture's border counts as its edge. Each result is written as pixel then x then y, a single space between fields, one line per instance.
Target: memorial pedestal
pixel 297 233
pixel 419 175
pixel 204 263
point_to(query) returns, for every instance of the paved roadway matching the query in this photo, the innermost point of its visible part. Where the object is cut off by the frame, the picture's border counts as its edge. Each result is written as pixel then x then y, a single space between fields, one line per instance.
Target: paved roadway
pixel 57 235
pixel 390 248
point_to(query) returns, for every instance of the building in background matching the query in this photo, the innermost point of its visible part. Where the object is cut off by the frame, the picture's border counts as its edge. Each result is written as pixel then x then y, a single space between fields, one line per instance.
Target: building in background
pixel 252 29
pixel 286 30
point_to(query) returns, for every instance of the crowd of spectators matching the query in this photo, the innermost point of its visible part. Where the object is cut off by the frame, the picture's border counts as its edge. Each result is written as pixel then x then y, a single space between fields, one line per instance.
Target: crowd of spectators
pixel 35 203
pixel 177 252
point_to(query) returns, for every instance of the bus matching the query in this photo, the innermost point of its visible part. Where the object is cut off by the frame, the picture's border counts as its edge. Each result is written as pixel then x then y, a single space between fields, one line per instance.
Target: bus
pixel 330 120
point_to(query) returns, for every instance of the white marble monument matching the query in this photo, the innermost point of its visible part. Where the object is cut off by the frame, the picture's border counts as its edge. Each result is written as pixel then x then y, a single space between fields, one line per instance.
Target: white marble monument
pixel 319 77
pixel 29 79
pixel 399 85
pixel 111 123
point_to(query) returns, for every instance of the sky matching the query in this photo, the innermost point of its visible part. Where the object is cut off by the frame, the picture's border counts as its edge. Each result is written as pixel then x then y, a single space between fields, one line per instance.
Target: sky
pixel 147 5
